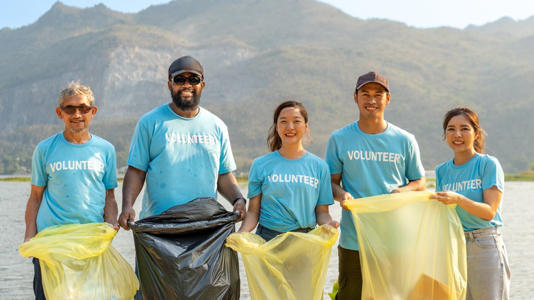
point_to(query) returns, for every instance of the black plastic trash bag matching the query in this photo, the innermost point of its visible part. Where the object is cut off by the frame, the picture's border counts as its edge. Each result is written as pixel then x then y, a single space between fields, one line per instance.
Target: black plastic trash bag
pixel 180 253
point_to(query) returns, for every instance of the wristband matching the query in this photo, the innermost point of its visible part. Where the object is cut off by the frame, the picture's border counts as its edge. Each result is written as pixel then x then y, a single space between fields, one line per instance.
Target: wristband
pixel 239 198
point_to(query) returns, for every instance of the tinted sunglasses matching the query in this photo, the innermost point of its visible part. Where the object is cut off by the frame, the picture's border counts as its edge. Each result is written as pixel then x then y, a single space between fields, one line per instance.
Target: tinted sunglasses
pixel 69 109
pixel 193 80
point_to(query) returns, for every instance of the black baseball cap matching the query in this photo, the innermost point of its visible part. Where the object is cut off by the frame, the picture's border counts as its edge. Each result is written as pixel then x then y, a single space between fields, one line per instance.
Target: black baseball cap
pixel 185 64
pixel 372 77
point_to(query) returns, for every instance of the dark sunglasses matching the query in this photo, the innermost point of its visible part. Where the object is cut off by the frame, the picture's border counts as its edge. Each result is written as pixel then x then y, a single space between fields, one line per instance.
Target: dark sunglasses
pixel 69 109
pixel 193 80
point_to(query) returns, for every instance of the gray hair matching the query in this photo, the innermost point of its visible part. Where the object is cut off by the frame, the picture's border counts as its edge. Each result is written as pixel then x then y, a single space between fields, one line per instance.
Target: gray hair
pixel 75 89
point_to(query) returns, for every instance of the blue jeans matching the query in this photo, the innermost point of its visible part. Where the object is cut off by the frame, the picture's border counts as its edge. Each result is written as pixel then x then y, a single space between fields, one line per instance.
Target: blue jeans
pixel 488 272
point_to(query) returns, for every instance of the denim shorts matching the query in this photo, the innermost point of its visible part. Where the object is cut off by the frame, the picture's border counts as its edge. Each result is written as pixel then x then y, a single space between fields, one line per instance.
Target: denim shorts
pixel 488 272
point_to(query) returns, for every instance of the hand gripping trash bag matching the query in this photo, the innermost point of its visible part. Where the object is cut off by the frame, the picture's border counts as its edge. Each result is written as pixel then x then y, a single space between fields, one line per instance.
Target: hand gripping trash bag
pixel 411 247
pixel 78 262
pixel 291 266
pixel 180 253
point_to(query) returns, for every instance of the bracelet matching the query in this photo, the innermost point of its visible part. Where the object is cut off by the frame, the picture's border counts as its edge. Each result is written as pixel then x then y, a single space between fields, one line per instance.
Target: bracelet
pixel 239 198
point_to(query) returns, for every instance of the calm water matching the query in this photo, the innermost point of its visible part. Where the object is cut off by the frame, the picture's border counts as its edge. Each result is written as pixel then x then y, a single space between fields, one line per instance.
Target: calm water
pixel 16 273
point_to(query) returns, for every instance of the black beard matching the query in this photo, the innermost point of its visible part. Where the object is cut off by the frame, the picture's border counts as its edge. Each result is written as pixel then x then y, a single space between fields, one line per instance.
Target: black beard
pixel 186 105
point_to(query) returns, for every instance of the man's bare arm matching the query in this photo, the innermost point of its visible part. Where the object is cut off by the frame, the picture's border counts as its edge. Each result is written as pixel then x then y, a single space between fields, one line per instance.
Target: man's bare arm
pixel 340 194
pixel 32 208
pixel 111 210
pixel 414 185
pixel 134 179
pixel 229 189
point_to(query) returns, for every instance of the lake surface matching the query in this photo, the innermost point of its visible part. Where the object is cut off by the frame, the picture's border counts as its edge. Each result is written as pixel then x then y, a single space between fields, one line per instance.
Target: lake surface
pixel 16 273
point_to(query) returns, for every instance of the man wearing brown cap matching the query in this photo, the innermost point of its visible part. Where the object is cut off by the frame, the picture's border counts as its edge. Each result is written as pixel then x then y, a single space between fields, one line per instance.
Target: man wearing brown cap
pixel 369 157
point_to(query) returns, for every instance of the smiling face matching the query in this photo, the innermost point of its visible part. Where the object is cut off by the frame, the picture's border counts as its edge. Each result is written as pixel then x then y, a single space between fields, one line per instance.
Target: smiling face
pixel 186 95
pixel 460 134
pixel 291 126
pixel 77 113
pixel 372 100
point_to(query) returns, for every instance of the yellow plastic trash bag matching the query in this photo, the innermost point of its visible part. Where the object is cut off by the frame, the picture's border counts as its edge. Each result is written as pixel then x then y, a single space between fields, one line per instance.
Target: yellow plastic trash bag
pixel 78 262
pixel 291 266
pixel 411 247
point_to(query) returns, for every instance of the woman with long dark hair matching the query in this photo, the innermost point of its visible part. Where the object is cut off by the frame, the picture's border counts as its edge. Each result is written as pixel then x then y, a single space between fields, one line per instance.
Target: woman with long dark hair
pixel 289 188
pixel 475 183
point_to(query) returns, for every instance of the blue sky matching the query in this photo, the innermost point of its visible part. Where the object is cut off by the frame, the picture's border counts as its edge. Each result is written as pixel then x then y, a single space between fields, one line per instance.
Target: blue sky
pixel 418 13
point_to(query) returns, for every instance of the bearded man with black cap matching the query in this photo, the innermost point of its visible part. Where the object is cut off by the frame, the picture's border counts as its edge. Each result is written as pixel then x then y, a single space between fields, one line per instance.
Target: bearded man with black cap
pixel 369 157
pixel 181 149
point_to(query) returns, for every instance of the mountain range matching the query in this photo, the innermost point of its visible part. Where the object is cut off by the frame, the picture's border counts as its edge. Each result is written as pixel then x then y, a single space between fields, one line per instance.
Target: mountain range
pixel 256 54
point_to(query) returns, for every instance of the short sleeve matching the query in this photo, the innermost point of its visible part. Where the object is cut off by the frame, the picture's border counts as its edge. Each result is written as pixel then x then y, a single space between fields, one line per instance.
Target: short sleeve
pixel 414 166
pixel 39 176
pixel 227 162
pixel 332 157
pixel 139 156
pixel 325 188
pixel 438 181
pixel 255 181
pixel 110 175
pixel 492 175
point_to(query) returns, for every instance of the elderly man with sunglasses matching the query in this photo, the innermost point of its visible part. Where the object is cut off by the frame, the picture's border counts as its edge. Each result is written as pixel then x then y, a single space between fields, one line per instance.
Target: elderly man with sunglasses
pixel 73 174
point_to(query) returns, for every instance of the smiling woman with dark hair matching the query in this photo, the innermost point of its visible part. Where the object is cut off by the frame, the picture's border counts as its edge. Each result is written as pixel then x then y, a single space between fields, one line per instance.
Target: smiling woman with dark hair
pixel 475 183
pixel 289 188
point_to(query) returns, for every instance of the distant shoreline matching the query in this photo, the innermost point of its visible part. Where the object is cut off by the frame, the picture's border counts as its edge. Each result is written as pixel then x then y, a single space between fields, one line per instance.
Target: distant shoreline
pixel 243 179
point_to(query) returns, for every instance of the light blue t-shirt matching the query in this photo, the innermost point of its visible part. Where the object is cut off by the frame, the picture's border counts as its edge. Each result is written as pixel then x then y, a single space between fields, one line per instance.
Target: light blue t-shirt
pixel 75 177
pixel 182 157
pixel 370 165
pixel 290 189
pixel 471 179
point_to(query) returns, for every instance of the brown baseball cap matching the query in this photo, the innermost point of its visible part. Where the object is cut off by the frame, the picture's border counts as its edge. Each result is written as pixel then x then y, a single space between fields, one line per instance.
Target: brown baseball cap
pixel 372 77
